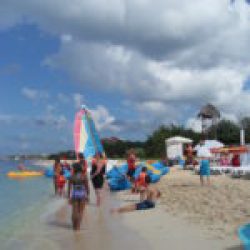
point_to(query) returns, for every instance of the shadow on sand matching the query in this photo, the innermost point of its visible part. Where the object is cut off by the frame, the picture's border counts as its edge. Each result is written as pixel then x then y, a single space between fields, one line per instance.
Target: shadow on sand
pixel 184 185
pixel 239 247
pixel 60 224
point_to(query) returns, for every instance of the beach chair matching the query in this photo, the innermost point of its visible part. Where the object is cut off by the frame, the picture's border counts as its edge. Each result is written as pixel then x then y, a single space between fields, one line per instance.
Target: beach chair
pixel 240 171
pixel 244 235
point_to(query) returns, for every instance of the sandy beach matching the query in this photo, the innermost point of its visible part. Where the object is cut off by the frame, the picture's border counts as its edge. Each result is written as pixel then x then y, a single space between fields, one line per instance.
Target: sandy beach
pixel 188 216
pixel 220 208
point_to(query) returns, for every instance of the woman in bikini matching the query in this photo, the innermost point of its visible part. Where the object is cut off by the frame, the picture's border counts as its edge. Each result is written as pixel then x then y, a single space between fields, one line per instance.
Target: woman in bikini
pixel 97 176
pixel 78 193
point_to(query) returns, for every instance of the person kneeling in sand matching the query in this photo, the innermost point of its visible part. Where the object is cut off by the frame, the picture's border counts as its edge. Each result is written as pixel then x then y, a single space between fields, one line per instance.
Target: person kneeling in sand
pixel 152 194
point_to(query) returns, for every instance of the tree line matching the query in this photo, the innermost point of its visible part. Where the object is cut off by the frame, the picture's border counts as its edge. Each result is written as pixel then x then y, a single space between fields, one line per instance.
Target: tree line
pixel 225 131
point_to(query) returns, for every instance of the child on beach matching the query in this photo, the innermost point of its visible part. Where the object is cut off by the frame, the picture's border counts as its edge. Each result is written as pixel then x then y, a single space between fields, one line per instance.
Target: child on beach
pixel 141 183
pixel 204 170
pixel 152 195
pixel 61 180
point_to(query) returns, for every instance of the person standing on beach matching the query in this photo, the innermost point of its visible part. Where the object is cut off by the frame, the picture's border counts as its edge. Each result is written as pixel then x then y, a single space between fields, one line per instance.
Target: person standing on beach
pixel 78 192
pixel 81 164
pixel 189 154
pixel 204 170
pixel 97 175
pixel 131 160
pixel 57 170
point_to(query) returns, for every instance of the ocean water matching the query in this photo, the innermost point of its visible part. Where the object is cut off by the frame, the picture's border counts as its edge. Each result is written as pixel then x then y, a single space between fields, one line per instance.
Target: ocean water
pixel 20 199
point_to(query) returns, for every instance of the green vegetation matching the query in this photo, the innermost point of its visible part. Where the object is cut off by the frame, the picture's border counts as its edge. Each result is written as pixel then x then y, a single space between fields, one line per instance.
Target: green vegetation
pixel 225 131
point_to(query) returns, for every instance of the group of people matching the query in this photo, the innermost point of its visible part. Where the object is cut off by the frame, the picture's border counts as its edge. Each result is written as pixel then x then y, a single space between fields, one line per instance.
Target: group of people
pixel 204 162
pixel 78 190
pixel 78 184
pixel 142 185
pixel 226 161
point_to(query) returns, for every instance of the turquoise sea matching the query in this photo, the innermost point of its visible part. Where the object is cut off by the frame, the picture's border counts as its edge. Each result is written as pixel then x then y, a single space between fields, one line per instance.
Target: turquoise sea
pixel 20 200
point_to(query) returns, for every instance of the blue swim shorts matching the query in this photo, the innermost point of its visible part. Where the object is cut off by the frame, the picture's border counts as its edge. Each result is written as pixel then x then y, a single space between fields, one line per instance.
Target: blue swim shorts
pixel 145 205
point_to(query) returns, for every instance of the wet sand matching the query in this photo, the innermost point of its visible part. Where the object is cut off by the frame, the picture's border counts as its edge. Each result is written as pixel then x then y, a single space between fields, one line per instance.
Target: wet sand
pixel 148 230
pixel 53 230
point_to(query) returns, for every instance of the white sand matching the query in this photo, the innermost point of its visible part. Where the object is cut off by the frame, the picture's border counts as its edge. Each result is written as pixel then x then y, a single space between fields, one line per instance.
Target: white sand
pixel 163 231
pixel 220 208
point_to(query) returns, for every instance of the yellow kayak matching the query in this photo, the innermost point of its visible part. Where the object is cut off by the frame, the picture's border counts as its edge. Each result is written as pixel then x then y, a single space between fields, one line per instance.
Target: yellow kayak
pixel 14 174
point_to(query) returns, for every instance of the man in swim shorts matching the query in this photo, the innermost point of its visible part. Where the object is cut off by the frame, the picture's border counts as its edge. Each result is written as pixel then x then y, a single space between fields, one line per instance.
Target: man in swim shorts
pixel 204 171
pixel 152 194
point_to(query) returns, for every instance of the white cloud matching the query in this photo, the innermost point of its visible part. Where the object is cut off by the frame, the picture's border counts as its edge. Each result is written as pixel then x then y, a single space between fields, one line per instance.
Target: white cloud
pixel 78 100
pixel 104 121
pixel 52 120
pixel 165 57
pixel 66 38
pixel 159 87
pixel 34 94
pixel 6 118
pixel 63 98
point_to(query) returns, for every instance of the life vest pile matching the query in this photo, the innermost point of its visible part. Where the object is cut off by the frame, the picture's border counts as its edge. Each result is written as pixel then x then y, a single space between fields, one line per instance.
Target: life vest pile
pixel 117 176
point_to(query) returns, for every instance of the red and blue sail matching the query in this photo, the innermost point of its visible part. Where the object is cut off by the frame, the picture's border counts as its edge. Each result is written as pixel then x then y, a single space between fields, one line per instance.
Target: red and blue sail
pixel 86 138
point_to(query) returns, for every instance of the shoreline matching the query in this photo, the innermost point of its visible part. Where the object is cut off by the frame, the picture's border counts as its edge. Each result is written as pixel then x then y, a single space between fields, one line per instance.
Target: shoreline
pixel 154 229
pixel 188 216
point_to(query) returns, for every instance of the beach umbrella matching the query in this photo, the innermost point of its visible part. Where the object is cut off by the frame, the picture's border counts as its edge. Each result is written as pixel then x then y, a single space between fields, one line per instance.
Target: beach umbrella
pixel 86 137
pixel 209 144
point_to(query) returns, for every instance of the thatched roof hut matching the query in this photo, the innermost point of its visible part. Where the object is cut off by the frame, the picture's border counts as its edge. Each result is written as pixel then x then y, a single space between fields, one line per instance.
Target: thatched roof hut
pixel 209 111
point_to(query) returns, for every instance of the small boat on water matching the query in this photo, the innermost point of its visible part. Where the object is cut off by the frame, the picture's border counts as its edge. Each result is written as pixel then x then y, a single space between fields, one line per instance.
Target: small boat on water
pixel 22 174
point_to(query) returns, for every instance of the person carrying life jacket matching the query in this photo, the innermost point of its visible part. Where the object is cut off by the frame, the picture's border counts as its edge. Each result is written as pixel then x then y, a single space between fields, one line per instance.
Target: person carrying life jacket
pixel 141 182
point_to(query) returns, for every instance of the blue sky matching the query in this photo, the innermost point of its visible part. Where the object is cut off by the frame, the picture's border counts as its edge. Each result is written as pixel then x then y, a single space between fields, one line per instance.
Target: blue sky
pixel 135 64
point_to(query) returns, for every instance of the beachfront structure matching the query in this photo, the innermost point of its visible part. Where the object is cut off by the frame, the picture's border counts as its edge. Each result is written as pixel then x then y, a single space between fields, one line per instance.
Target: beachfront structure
pixel 209 115
pixel 175 146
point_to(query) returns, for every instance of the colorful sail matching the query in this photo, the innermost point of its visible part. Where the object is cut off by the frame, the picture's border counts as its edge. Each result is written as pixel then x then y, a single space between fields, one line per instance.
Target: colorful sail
pixel 86 138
